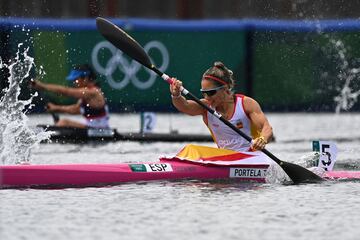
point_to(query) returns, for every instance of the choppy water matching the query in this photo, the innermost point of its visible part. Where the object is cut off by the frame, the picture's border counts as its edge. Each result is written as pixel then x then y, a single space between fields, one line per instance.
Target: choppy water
pixel 192 209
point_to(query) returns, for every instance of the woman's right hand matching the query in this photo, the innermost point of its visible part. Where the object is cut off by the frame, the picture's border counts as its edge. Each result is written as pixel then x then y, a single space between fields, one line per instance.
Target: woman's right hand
pixel 175 88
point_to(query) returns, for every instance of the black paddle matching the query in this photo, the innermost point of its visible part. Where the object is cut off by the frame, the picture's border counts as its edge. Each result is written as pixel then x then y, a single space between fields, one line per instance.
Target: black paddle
pixel 55 117
pixel 129 46
pixel 46 100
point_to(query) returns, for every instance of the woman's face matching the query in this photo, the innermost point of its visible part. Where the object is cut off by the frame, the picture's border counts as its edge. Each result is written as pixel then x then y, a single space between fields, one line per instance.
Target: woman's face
pixel 216 94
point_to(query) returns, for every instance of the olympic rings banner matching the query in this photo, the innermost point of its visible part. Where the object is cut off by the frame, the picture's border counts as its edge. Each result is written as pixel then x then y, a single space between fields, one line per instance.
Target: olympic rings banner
pixel 128 86
pixel 120 71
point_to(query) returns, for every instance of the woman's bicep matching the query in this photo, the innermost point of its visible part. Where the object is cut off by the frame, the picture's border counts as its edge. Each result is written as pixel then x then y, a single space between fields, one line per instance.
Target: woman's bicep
pixel 253 110
pixel 196 109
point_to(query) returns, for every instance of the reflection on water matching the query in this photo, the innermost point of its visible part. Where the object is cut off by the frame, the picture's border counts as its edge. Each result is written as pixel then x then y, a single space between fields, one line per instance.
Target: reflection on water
pixel 219 186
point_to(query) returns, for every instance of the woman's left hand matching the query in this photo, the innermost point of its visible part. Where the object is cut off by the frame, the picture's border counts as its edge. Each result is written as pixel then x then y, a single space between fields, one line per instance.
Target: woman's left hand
pixel 36 84
pixel 175 87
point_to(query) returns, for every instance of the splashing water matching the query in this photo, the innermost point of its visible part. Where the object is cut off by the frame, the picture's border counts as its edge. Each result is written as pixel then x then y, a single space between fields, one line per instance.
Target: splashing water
pixel 348 94
pixel 347 75
pixel 16 138
pixel 275 175
pixel 309 160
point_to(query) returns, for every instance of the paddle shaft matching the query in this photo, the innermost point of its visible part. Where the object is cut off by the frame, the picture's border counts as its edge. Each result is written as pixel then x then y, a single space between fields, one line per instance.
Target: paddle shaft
pixel 45 98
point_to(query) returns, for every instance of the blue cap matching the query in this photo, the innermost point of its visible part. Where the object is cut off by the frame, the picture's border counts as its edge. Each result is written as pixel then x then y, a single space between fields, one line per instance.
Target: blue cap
pixel 75 74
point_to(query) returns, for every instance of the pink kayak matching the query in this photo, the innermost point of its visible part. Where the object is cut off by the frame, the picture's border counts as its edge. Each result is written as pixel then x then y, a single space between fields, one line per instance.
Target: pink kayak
pixel 82 175
pixel 346 175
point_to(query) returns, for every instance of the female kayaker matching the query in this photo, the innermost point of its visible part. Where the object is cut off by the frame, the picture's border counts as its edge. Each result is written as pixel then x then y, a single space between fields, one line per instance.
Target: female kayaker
pixel 91 101
pixel 242 111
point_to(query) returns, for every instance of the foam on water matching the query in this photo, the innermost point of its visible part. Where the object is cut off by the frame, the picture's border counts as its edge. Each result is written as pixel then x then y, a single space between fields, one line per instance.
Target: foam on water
pixel 16 137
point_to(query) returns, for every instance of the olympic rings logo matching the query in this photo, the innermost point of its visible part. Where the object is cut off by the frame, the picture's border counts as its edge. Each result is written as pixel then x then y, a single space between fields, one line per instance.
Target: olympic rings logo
pixel 129 68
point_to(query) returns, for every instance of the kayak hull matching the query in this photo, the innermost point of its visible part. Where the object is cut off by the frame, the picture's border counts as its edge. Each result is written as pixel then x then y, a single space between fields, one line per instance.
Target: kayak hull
pixel 84 175
pixel 80 175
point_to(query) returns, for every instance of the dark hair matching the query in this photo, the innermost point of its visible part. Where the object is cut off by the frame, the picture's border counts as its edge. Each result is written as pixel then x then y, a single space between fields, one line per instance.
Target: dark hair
pixel 220 74
pixel 87 68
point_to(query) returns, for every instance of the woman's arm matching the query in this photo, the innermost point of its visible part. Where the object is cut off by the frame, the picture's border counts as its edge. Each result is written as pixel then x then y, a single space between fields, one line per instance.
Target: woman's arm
pixel 67 91
pixel 70 109
pixel 258 118
pixel 189 107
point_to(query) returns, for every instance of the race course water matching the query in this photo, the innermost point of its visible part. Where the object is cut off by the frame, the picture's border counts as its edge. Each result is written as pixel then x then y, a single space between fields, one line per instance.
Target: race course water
pixel 192 209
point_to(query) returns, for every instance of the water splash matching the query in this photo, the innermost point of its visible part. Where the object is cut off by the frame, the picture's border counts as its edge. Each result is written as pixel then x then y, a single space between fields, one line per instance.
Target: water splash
pixel 347 76
pixel 276 175
pixel 16 137
pixel 347 72
pixel 310 161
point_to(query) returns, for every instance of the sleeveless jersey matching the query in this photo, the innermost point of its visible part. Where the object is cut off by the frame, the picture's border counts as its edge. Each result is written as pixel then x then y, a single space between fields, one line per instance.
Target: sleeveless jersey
pixel 95 117
pixel 224 136
pixel 90 113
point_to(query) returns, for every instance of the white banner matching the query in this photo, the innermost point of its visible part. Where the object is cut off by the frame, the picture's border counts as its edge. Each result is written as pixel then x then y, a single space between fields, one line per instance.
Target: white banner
pixel 328 153
pixel 148 122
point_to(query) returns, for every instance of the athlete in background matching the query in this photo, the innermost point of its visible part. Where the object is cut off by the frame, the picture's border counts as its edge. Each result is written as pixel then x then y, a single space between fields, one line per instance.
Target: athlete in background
pixel 91 101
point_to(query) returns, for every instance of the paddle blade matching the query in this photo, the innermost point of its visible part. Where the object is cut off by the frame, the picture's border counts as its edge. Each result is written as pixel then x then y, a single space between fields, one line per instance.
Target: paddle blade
pixel 122 41
pixel 55 117
pixel 299 174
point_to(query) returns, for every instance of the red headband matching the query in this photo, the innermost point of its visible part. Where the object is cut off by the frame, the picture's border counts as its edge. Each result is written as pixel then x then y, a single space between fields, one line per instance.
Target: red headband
pixel 216 79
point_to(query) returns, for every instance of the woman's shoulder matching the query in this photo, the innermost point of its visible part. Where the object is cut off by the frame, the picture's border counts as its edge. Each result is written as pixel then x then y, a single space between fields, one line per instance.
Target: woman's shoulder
pixel 249 104
pixel 245 98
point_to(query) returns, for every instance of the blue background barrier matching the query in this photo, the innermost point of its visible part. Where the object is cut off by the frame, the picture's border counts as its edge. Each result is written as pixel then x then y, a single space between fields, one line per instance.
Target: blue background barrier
pixel 285 65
